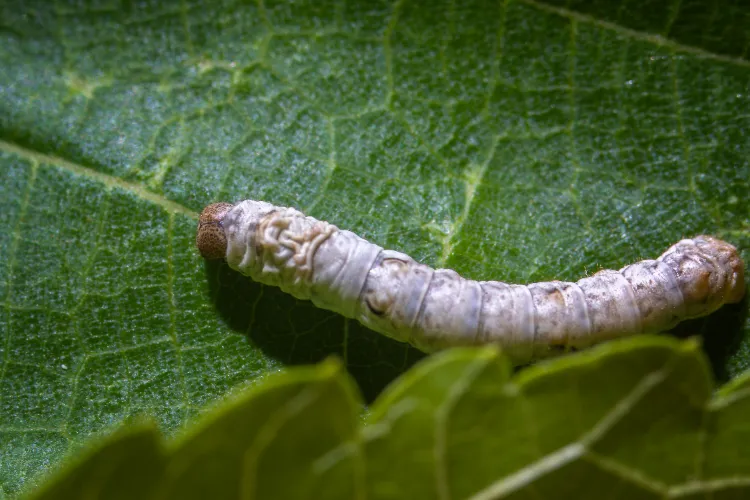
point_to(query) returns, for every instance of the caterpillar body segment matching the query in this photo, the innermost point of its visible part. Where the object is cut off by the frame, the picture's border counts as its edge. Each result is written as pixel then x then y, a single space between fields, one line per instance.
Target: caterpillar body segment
pixel 391 293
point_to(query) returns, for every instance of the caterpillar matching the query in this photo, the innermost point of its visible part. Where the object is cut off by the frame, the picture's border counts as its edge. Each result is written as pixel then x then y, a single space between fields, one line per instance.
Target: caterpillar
pixel 391 293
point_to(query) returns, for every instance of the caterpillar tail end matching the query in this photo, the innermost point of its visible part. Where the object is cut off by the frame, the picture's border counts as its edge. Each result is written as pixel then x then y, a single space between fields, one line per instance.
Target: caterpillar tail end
pixel 732 262
pixel 211 240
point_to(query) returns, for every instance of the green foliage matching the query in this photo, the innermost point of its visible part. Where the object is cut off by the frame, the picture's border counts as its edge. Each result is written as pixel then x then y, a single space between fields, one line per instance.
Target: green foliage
pixel 631 419
pixel 513 140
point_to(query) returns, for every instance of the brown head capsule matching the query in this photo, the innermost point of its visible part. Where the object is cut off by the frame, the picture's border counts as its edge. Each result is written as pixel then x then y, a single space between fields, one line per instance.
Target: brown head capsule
pixel 211 240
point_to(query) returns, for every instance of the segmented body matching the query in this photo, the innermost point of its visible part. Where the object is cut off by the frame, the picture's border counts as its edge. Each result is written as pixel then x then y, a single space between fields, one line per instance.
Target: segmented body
pixel 391 293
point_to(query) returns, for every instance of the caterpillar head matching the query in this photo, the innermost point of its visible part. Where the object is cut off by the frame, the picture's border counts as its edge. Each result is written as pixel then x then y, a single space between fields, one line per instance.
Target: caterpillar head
pixel 211 240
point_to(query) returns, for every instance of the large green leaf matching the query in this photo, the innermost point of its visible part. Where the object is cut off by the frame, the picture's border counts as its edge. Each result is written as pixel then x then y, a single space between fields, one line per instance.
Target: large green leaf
pixel 508 140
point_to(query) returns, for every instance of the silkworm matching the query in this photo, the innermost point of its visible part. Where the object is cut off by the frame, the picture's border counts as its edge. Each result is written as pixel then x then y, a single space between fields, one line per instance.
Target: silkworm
pixel 391 293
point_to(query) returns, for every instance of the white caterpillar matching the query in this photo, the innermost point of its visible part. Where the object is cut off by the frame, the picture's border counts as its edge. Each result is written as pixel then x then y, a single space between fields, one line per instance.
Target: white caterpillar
pixel 391 293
